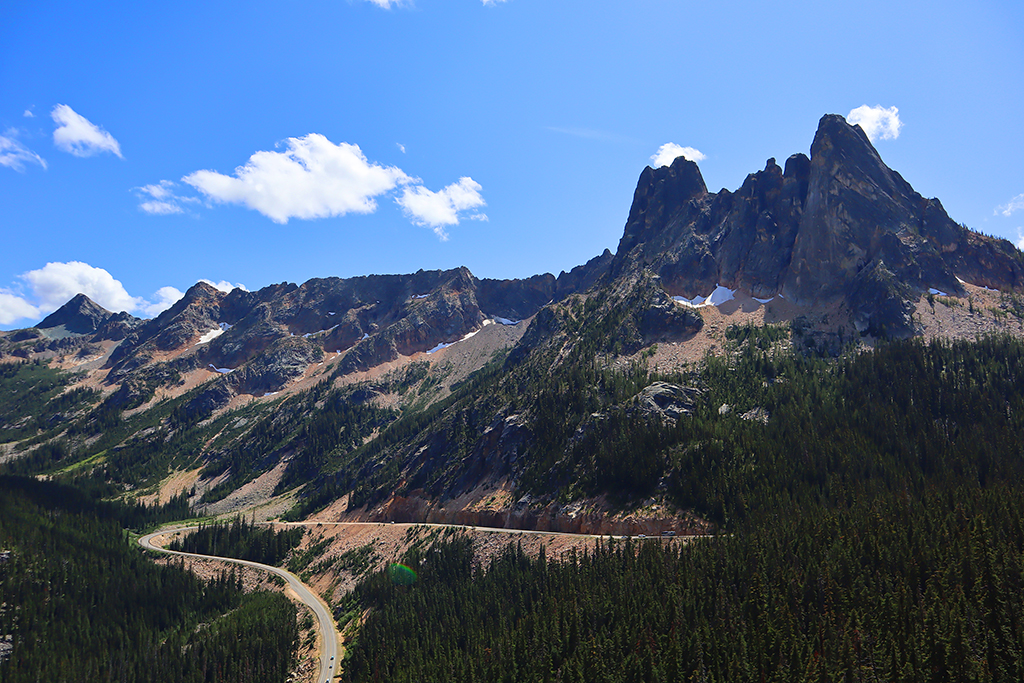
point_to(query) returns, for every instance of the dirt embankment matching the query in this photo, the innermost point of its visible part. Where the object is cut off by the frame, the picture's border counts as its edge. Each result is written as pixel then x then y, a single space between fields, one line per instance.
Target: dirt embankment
pixel 494 505
pixel 573 519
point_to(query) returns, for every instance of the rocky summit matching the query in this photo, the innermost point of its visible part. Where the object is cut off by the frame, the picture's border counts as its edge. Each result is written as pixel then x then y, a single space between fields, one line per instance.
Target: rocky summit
pixel 839 226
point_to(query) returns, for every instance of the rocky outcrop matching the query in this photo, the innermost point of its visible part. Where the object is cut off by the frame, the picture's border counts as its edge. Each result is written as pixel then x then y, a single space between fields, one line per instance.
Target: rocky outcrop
pixel 665 400
pixel 839 226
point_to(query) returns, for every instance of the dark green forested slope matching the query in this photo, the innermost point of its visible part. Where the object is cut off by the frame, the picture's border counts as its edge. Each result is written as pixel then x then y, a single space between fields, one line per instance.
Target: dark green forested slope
pixel 80 604
pixel 915 591
pixel 876 534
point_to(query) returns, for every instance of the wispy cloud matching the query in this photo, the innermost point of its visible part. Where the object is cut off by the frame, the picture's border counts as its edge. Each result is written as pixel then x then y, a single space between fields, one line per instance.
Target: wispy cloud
pixel 28 114
pixel 878 122
pixel 1020 238
pixel 442 208
pixel 77 135
pixel 1015 204
pixel 388 4
pixel 15 155
pixel 312 178
pixel 161 199
pixel 670 151
pixel 493 2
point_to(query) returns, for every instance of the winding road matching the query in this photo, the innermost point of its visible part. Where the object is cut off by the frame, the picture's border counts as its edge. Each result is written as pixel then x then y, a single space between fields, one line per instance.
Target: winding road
pixel 328 629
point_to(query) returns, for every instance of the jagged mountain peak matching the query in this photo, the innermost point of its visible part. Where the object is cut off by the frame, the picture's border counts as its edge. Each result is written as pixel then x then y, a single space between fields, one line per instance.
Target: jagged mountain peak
pixel 837 227
pixel 80 315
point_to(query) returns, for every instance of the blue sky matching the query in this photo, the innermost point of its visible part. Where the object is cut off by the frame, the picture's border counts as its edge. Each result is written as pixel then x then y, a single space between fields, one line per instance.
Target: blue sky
pixel 146 146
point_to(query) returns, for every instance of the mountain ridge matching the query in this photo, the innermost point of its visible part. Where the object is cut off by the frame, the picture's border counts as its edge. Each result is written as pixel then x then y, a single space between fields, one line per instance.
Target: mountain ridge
pixel 403 393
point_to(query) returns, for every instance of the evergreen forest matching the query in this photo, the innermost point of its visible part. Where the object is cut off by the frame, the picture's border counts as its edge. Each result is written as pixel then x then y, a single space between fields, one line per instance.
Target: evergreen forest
pixel 870 530
pixel 240 539
pixel 80 602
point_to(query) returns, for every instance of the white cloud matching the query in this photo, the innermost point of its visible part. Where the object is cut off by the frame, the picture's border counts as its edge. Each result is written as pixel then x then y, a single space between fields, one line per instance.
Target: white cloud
pixel 877 122
pixel 13 307
pixel 493 2
pixel 79 136
pixel 224 285
pixel 15 155
pixel 441 208
pixel 1015 204
pixel 55 283
pixel 313 178
pixel 28 114
pixel 388 4
pixel 164 298
pixel 1020 238
pixel 401 147
pixel 670 151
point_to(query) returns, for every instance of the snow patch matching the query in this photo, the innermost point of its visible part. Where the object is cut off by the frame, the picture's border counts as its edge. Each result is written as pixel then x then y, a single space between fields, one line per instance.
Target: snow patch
pixel 505 321
pixel 225 326
pixel 210 336
pixel 932 290
pixel 420 296
pixel 440 346
pixel 330 312
pixel 222 371
pixel 444 345
pixel 366 335
pixel 716 298
pixel 762 301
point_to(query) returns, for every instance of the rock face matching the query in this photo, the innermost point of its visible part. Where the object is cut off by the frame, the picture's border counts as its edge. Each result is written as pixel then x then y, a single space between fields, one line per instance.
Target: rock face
pixel 839 226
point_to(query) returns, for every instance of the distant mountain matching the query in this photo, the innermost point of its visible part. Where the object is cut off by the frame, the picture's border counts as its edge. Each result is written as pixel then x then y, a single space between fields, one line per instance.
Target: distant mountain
pixel 422 396
pixel 80 315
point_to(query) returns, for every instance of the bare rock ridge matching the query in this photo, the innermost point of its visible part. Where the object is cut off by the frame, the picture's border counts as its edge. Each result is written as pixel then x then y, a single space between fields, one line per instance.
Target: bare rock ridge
pixel 838 226
pixel 259 341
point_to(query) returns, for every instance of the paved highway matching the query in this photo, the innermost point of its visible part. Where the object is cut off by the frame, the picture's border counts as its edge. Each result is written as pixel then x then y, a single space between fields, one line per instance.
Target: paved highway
pixel 328 630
